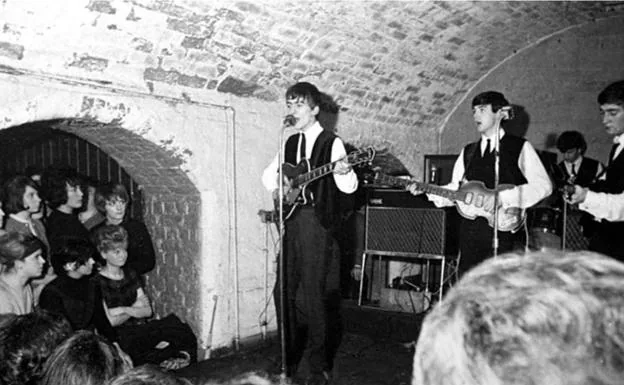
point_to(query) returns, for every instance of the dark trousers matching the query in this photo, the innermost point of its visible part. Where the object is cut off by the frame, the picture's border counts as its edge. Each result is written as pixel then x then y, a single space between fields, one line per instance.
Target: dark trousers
pixel 476 242
pixel 312 295
pixel 608 239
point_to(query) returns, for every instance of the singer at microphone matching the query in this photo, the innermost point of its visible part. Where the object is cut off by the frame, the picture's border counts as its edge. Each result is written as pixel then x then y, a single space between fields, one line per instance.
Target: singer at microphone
pixel 289 120
pixel 523 176
pixel 309 242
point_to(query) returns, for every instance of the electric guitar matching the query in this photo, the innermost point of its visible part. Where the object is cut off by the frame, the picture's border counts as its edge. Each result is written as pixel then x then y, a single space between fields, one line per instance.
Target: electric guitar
pixel 297 178
pixel 469 200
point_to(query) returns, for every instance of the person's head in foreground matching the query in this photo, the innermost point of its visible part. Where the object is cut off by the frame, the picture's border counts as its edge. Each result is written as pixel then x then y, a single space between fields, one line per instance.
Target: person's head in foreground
pixel 84 359
pixel 148 375
pixel 544 318
pixel 26 342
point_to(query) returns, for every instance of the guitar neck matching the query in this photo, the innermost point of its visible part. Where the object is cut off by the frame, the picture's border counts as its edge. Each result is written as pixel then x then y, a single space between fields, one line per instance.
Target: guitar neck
pixel 425 187
pixel 315 174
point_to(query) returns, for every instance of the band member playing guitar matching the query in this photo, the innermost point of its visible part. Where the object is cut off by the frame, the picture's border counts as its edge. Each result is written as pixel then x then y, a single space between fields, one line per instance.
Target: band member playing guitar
pixel 311 254
pixel 523 182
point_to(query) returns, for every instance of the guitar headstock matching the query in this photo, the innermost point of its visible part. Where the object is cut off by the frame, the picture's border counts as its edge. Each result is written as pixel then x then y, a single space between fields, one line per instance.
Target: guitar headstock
pixel 361 156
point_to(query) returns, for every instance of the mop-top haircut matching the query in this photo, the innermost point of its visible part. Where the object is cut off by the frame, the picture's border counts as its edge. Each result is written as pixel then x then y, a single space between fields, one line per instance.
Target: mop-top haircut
pixel 306 91
pixel 496 99
pixel 537 319
pixel 612 94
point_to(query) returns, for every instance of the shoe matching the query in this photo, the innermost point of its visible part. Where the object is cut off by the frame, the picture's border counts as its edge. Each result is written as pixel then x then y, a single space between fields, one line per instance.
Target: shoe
pixel 181 360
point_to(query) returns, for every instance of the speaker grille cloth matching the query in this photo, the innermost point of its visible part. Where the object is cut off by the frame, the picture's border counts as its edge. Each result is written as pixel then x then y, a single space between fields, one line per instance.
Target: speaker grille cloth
pixel 405 230
pixel 575 240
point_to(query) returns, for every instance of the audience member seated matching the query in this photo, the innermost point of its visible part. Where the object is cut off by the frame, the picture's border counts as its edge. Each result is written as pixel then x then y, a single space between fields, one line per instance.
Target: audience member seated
pixel 112 200
pixel 538 319
pixel 61 189
pixel 26 342
pixel 84 359
pixel 1 220
pixel 21 203
pixel 159 341
pixel 89 215
pixel 148 375
pixel 35 173
pixel 21 258
pixel 73 294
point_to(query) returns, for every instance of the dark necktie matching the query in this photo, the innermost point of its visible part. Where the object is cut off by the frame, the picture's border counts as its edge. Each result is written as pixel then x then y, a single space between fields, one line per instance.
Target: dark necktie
pixel 573 169
pixel 302 143
pixel 488 149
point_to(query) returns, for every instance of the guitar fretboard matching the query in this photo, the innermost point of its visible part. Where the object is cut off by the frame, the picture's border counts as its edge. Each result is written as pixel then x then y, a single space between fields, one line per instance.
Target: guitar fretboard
pixel 319 172
pixel 425 187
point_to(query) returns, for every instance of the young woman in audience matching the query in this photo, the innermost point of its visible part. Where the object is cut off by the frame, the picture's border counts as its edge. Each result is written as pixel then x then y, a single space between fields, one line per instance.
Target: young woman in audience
pixel 61 188
pixel 89 215
pixel 73 294
pixel 126 303
pixel 112 200
pixel 85 359
pixel 27 341
pixel 21 202
pixel 21 258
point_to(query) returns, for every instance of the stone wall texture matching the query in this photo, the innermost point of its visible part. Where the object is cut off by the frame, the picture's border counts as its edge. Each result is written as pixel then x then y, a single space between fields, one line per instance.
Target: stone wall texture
pixel 188 97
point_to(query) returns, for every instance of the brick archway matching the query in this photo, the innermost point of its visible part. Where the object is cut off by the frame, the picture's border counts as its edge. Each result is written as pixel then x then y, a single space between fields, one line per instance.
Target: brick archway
pixel 171 202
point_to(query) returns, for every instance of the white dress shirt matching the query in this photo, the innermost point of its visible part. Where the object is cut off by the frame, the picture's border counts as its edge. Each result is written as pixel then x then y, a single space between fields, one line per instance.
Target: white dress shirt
pixel 604 206
pixel 577 165
pixel 619 140
pixel 538 184
pixel 347 183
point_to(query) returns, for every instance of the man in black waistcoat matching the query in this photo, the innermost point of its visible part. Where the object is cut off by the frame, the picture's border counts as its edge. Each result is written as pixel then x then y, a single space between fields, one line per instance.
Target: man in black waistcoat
pixel 520 169
pixel 576 168
pixel 311 253
pixel 608 237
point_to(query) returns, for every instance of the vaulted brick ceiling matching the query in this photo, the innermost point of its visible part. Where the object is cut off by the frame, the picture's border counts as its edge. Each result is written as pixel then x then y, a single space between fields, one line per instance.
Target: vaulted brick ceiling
pixel 393 61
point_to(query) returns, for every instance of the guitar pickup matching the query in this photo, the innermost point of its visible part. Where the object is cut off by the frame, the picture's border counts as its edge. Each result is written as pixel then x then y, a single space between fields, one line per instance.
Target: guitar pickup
pixel 479 201
pixel 468 198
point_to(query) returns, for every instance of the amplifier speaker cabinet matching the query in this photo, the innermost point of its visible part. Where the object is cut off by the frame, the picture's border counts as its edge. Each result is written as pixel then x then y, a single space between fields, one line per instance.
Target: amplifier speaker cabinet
pixel 404 231
pixel 574 238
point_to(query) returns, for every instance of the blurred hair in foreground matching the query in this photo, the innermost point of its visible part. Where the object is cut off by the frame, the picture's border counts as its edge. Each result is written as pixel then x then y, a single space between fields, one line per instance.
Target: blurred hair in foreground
pixel 542 318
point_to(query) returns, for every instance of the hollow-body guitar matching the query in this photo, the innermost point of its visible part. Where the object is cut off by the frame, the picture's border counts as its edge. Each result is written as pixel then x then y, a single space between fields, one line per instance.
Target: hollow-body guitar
pixel 297 178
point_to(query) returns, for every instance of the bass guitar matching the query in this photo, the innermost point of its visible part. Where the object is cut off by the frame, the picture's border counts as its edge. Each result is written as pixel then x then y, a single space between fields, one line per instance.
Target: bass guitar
pixel 297 178
pixel 469 200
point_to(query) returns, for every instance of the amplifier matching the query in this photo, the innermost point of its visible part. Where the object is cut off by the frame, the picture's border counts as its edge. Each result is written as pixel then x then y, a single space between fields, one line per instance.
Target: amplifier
pixel 385 197
pixel 407 230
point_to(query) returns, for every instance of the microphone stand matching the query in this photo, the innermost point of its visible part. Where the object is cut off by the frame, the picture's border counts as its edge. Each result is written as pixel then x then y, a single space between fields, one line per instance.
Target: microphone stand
pixel 289 120
pixel 496 183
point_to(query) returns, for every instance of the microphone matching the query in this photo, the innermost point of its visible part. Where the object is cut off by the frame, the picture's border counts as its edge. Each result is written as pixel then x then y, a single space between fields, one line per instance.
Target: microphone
pixel 289 121
pixel 507 112
pixel 433 175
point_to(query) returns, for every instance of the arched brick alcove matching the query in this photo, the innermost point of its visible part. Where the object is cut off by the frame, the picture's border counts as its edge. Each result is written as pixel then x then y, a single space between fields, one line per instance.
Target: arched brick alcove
pixel 171 213
pixel 171 201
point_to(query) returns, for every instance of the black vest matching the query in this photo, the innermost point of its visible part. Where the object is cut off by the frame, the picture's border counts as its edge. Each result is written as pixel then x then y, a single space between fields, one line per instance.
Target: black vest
pixel 585 175
pixel 481 167
pixel 324 189
pixel 614 182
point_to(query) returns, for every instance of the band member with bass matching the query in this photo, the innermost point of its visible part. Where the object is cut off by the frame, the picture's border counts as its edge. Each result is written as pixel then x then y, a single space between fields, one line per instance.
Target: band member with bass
pixel 523 182
pixel 311 254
